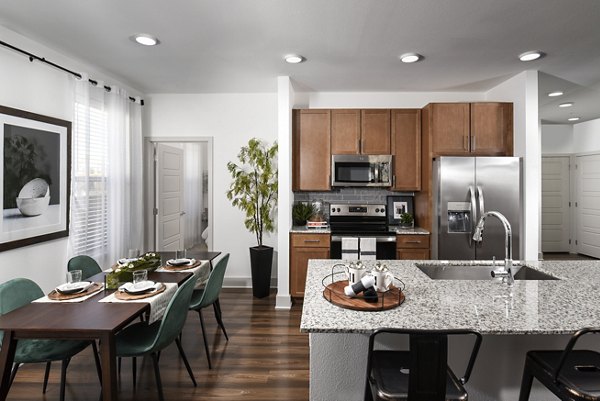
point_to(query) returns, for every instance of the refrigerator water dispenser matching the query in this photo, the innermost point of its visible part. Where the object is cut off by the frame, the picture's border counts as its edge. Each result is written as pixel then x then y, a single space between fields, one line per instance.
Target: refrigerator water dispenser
pixel 459 217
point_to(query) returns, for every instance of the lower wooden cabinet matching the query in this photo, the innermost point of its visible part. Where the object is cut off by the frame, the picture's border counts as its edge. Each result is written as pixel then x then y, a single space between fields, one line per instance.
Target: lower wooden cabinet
pixel 412 246
pixel 302 248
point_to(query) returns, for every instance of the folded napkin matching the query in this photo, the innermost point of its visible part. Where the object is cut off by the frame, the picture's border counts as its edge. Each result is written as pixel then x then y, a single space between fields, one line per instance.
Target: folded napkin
pixel 158 303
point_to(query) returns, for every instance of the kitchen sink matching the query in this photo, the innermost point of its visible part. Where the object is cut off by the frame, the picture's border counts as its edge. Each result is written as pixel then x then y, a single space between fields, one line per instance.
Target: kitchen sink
pixel 479 272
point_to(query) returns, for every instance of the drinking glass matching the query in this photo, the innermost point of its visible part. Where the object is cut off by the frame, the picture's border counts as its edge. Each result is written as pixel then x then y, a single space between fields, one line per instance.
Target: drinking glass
pixel 74 276
pixel 181 254
pixel 139 276
pixel 133 253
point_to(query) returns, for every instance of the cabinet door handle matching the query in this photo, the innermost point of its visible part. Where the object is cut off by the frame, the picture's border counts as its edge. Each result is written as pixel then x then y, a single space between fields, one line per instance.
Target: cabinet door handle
pixel 312 240
pixel 472 143
pixel 413 242
pixel 465 142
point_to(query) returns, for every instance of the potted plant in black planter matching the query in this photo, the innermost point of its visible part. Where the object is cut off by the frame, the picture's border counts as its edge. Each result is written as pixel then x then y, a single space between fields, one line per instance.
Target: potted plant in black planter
pixel 407 220
pixel 254 191
pixel 301 212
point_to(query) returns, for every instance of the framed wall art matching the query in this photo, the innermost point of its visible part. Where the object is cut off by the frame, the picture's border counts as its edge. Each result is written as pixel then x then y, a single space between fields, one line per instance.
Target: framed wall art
pixel 396 205
pixel 35 178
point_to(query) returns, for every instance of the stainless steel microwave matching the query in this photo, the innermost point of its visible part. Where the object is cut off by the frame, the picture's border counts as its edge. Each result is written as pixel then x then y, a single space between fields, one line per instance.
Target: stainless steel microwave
pixel 361 170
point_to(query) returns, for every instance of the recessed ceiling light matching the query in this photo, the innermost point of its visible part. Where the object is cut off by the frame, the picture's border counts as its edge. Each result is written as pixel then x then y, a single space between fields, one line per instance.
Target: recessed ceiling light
pixel 555 93
pixel 530 56
pixel 574 119
pixel 411 57
pixel 145 39
pixel 294 58
pixel 567 104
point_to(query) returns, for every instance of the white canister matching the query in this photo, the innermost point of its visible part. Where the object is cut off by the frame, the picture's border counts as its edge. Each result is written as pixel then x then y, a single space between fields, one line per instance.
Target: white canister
pixel 383 278
pixel 355 273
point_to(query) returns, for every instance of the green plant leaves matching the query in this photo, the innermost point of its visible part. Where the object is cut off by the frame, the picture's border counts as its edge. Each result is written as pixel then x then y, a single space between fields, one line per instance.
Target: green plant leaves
pixel 254 186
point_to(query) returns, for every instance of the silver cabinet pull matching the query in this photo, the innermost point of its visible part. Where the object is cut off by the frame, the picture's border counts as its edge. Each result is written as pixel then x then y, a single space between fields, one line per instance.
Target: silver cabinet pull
pixel 312 240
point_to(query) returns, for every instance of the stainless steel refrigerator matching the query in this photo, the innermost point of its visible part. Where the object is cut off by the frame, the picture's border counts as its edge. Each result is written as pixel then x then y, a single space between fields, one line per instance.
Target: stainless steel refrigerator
pixel 463 189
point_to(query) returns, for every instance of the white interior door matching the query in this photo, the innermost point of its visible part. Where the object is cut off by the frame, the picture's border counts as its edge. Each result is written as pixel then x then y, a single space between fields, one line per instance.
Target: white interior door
pixel 555 204
pixel 588 210
pixel 169 198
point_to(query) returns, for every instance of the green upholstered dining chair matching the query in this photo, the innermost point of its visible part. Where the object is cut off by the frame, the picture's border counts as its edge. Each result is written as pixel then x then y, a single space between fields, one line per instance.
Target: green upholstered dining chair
pixel 20 292
pixel 141 339
pixel 207 296
pixel 86 264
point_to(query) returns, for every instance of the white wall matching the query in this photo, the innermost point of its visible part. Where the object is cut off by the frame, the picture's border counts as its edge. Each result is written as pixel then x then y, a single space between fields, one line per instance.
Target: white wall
pixel 522 90
pixel 41 89
pixel 586 137
pixel 231 119
pixel 557 139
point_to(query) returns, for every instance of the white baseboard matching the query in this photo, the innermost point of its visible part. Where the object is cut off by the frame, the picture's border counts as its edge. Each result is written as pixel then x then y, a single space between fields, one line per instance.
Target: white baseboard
pixel 243 282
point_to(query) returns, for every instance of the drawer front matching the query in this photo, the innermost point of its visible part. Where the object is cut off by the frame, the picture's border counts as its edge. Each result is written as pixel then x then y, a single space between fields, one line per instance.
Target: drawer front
pixel 412 241
pixel 311 240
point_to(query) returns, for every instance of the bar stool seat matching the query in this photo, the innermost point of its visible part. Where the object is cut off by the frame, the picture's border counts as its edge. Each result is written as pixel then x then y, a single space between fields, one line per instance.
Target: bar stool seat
pixel 419 374
pixel 569 374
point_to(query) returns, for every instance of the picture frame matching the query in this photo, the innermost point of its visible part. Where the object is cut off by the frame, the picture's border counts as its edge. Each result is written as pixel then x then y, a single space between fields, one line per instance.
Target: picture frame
pixel 396 205
pixel 34 177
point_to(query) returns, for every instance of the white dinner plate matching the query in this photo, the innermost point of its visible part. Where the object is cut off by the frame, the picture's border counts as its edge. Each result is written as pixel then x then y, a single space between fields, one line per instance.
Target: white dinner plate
pixel 180 262
pixel 73 288
pixel 138 288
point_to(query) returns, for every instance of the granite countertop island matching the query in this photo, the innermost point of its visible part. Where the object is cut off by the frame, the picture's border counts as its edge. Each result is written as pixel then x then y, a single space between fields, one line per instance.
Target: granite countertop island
pixel 530 314
pixel 488 306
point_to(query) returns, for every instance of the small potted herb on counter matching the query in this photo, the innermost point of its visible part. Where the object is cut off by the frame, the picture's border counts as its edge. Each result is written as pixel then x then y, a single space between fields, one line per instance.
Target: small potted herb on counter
pixel 301 212
pixel 407 220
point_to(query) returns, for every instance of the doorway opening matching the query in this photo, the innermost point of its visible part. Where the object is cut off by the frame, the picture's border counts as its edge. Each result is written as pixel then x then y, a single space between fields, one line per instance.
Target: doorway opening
pixel 179 193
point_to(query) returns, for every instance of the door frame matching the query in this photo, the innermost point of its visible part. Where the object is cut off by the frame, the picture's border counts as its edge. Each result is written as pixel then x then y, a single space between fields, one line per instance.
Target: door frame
pixel 150 188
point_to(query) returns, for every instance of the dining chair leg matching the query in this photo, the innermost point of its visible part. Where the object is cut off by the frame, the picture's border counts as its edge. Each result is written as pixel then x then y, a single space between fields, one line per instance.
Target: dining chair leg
pixel 204 337
pixel 526 382
pixel 63 377
pixel 13 373
pixel 46 374
pixel 134 370
pixel 185 361
pixel 157 375
pixel 96 360
pixel 217 309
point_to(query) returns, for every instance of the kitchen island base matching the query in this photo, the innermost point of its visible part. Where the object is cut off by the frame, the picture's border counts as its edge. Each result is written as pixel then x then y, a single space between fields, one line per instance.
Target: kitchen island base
pixel 338 365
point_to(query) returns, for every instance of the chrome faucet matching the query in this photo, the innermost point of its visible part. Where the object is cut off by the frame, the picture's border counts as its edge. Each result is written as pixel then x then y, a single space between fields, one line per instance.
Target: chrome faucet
pixel 506 273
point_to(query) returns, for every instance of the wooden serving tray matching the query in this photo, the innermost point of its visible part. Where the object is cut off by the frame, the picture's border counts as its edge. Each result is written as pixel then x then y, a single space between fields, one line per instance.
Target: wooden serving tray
pixel 389 299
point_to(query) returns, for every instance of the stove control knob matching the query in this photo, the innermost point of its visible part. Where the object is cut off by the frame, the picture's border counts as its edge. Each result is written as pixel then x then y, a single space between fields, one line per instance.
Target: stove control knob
pixel 376 210
pixel 382 210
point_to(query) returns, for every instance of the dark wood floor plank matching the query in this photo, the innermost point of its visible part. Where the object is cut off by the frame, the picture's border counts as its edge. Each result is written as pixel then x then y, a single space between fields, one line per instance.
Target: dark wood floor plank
pixel 266 358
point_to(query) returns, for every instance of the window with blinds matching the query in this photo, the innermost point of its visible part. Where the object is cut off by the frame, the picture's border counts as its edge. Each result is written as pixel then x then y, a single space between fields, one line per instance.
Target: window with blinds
pixel 89 219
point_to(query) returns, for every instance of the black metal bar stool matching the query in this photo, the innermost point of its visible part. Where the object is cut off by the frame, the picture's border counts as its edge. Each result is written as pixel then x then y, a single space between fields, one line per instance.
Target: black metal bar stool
pixel 419 374
pixel 570 374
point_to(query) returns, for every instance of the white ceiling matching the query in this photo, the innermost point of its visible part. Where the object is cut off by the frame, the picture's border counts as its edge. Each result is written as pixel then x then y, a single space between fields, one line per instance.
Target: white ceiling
pixel 234 46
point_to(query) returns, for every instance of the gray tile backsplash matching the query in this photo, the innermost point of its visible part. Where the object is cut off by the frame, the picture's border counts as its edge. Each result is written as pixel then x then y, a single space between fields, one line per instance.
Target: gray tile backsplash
pixel 349 195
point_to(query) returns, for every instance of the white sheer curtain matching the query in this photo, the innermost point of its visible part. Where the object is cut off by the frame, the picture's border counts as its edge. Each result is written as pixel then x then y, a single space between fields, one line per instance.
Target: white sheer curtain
pixel 106 180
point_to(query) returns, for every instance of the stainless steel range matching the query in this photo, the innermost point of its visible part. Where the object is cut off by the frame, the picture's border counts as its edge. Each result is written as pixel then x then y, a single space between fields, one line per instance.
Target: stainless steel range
pixel 360 231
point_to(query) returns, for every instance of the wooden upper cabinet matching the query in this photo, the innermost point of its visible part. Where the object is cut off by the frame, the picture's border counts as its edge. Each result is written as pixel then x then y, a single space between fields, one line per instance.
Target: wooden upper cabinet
pixel 375 132
pixel 345 132
pixel 449 124
pixel 478 129
pixel 492 128
pixel 311 150
pixel 406 148
pixel 356 132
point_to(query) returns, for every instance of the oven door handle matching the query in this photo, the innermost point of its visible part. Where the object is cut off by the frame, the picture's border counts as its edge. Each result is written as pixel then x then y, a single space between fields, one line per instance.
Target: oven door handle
pixel 383 238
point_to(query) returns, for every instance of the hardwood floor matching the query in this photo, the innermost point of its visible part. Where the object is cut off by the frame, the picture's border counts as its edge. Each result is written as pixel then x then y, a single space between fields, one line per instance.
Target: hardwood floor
pixel 266 358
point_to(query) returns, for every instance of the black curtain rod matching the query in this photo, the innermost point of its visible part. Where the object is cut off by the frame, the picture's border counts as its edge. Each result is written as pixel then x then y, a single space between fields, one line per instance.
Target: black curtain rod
pixel 33 57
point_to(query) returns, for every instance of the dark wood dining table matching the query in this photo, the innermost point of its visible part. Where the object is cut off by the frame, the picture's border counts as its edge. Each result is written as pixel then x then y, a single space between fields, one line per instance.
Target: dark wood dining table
pixel 87 320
